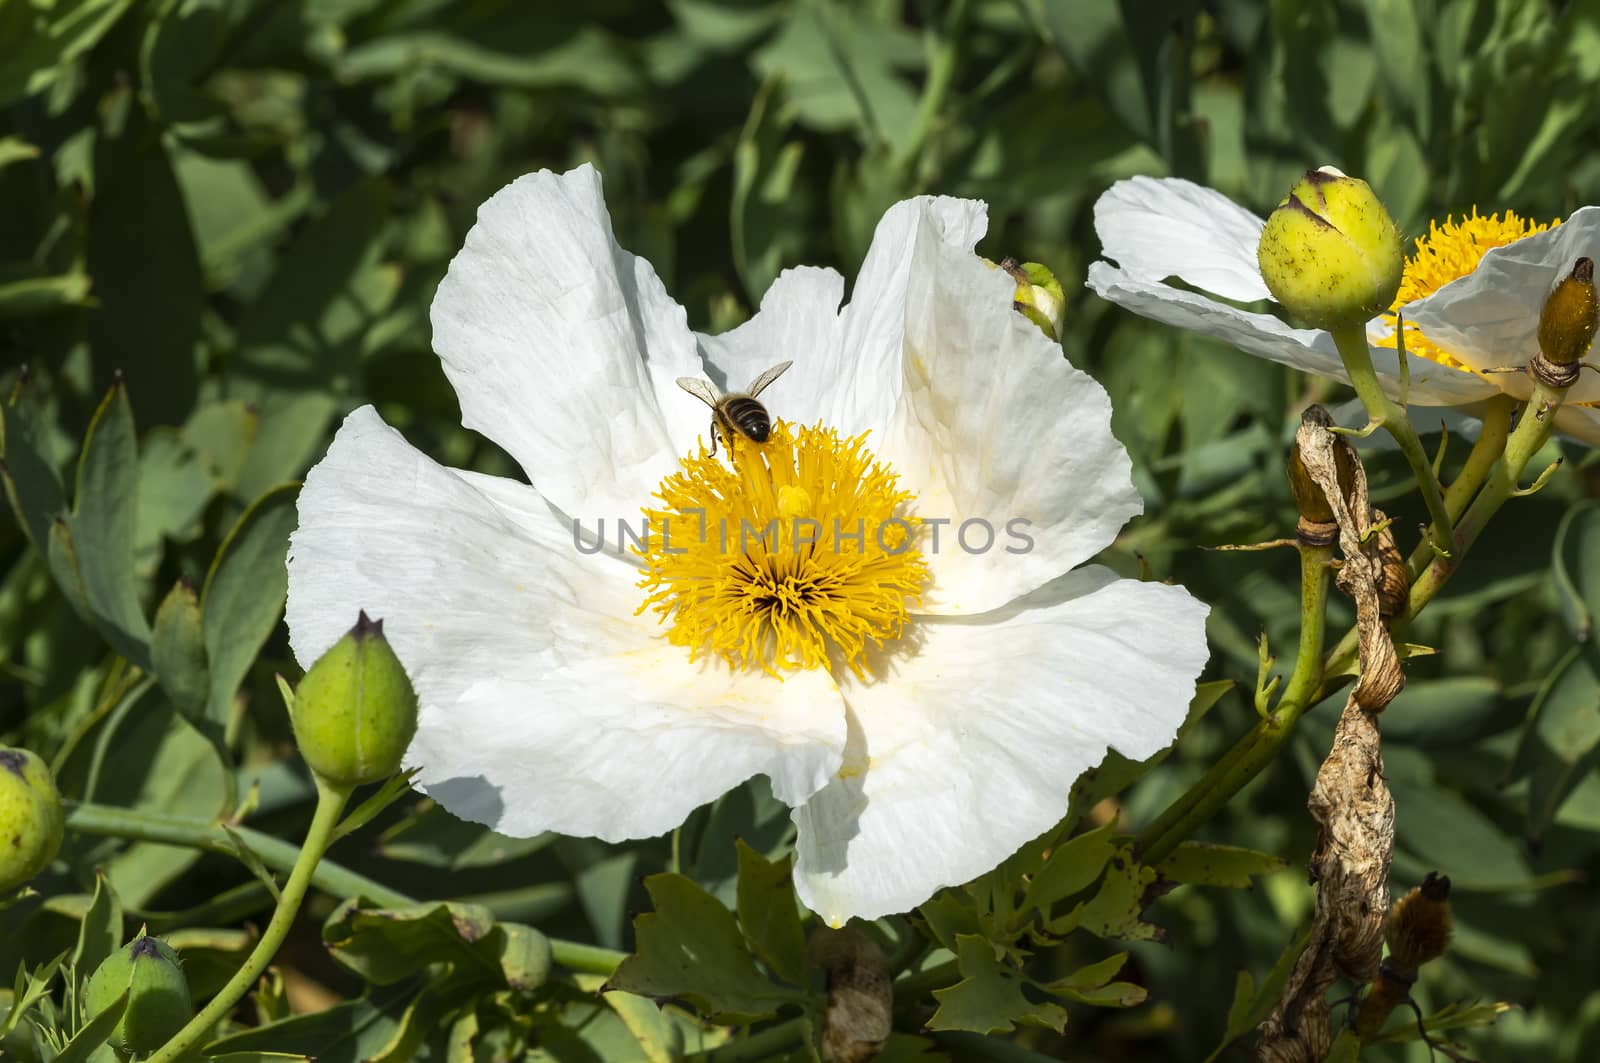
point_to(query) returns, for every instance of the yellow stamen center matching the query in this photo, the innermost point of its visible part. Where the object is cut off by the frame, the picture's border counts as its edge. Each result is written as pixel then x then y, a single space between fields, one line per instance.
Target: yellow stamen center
pixel 1447 252
pixel 797 553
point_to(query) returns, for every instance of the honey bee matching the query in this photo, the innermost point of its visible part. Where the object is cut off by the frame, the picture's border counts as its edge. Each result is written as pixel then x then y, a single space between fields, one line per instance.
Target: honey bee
pixel 737 412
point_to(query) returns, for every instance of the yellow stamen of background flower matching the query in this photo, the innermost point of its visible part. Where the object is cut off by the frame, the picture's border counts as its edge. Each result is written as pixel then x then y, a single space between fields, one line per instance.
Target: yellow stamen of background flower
pixel 1450 251
pixel 796 551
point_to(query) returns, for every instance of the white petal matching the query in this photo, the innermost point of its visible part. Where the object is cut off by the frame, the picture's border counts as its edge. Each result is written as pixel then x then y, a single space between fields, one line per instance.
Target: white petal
pixel 799 321
pixel 546 704
pixel 874 324
pixel 971 747
pixel 563 348
pixel 1490 317
pixel 1000 436
pixel 1265 336
pixel 1579 422
pixel 1156 228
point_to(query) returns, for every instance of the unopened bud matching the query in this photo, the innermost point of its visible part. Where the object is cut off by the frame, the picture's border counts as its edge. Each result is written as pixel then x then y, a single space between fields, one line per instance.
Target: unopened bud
pixel 355 711
pixel 31 819
pixel 1039 296
pixel 1419 924
pixel 1569 316
pixel 158 994
pixel 1330 253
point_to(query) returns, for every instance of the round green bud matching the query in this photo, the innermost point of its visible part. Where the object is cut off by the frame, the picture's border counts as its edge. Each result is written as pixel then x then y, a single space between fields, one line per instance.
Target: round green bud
pixel 1330 253
pixel 158 994
pixel 1039 296
pixel 355 712
pixel 31 819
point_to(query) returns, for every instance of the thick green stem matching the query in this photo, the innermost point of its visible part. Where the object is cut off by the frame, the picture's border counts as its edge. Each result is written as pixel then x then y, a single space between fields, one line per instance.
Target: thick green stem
pixel 330 803
pixel 280 855
pixel 1255 751
pixel 1352 344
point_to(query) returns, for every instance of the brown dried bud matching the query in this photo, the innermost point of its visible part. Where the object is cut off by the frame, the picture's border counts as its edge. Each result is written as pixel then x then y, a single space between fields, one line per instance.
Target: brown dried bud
pixel 1394 582
pixel 1419 925
pixel 1317 526
pixel 860 994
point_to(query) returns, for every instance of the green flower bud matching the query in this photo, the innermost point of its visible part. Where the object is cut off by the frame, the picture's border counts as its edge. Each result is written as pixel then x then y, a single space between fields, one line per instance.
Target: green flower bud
pixel 158 994
pixel 355 711
pixel 1330 253
pixel 1568 318
pixel 1039 296
pixel 31 820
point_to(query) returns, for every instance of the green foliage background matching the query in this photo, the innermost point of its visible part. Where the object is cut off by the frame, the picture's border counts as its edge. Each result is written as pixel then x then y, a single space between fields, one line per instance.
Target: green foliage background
pixel 240 210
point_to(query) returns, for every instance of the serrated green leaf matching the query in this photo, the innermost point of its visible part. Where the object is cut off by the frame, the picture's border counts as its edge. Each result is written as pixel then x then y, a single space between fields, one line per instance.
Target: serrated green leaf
pixel 387 945
pixel 1205 864
pixel 1070 868
pixel 690 946
pixel 768 915
pixel 1117 910
pixel 989 998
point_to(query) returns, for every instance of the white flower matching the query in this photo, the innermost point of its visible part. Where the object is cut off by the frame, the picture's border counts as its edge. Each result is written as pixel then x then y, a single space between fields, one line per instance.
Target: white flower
pixel 554 697
pixel 1467 310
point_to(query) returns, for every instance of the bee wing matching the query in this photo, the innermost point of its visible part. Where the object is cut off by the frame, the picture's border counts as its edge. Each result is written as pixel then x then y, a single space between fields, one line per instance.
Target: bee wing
pixel 700 389
pixel 759 384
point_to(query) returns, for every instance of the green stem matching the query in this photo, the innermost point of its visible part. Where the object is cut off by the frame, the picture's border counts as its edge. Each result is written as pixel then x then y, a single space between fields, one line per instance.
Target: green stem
pixel 1531 434
pixel 939 976
pixel 1352 343
pixel 330 803
pixel 1255 751
pixel 945 61
pixel 1485 452
pixel 275 853
pixel 764 1045
pixel 329 877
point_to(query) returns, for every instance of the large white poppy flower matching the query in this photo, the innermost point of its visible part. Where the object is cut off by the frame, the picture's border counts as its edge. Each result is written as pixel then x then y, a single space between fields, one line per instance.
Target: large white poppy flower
pixel 924 710
pixel 1471 294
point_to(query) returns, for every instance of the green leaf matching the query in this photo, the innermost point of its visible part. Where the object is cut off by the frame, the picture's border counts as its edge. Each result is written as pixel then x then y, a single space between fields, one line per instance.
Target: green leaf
pixel 690 946
pixel 178 656
pixel 32 484
pixel 660 1039
pixel 989 998
pixel 434 838
pixel 1117 910
pixel 94 1032
pixel 767 211
pixel 149 290
pixel 15 149
pixel 387 945
pixel 173 492
pixel 103 525
pixel 1204 864
pixel 1575 567
pixel 30 989
pixel 1092 985
pixel 1450 1017
pixel 1071 868
pixel 100 933
pixel 244 594
pixel 43 40
pixel 1251 1004
pixel 768 914
pixel 43 295
pixel 1560 743
pixel 350 1032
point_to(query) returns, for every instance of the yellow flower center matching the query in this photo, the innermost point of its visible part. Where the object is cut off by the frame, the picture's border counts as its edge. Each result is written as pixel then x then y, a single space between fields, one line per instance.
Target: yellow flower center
pixel 796 553
pixel 1449 251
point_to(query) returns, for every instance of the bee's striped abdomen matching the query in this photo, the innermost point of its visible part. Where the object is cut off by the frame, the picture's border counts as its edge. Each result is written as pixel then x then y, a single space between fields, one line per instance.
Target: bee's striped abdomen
pixel 749 417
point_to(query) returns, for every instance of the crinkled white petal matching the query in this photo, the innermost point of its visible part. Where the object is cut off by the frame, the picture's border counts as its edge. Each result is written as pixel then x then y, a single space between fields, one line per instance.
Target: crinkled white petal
pixel 1265 336
pixel 1006 447
pixel 1156 228
pixel 1490 317
pixel 545 703
pixel 970 747
pixel 798 321
pixel 563 348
